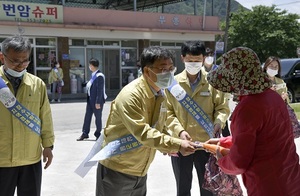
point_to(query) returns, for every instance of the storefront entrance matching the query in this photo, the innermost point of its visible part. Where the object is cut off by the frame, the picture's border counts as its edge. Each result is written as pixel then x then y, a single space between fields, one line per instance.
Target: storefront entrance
pixel 109 60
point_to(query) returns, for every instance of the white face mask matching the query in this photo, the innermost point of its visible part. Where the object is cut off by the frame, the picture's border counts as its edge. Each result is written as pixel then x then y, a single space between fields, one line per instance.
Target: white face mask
pixel 57 65
pixel 209 60
pixel 193 67
pixel 14 73
pixel 272 72
pixel 164 80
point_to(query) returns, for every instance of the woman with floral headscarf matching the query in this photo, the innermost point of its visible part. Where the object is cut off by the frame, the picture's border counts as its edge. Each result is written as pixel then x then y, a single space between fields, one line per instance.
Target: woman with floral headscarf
pixel 262 148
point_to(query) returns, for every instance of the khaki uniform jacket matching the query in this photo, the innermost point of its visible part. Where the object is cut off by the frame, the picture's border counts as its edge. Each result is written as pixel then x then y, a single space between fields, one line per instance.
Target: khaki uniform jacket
pixel 213 102
pixel 18 144
pixel 136 110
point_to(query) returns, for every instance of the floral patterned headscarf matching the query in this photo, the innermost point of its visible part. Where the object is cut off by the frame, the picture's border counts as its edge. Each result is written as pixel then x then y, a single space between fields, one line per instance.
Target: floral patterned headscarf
pixel 240 73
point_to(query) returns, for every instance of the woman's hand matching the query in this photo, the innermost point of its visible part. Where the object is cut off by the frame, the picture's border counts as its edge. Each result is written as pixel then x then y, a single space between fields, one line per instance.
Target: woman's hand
pixel 273 87
pixel 215 141
pixel 284 96
pixel 218 154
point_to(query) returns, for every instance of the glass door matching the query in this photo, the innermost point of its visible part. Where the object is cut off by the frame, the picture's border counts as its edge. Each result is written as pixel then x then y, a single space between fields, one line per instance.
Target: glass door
pixel 96 53
pixel 109 60
pixel 112 68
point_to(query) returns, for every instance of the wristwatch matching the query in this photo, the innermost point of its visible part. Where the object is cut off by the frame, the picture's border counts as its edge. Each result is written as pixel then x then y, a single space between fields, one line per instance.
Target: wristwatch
pixel 51 147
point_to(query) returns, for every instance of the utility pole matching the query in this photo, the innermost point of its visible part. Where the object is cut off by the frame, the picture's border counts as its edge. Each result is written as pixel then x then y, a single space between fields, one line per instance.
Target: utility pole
pixel 134 5
pixel 204 15
pixel 212 7
pixel 227 26
pixel 195 7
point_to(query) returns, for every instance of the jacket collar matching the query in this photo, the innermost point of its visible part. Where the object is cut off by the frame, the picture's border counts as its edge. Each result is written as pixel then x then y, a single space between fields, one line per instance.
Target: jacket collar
pixel 144 85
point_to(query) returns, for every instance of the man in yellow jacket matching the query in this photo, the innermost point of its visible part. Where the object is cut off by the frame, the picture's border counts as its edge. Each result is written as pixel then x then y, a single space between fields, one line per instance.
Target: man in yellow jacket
pixel 184 125
pixel 139 111
pixel 26 122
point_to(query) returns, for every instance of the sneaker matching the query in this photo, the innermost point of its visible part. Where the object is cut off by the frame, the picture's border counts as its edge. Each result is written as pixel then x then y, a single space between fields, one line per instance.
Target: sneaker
pixel 58 100
pixel 52 100
pixel 82 137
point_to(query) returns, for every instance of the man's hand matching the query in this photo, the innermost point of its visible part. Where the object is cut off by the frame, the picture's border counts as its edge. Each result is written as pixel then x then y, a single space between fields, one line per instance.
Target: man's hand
pixel 185 136
pixel 217 129
pixel 47 157
pixel 97 106
pixel 187 147
pixel 171 154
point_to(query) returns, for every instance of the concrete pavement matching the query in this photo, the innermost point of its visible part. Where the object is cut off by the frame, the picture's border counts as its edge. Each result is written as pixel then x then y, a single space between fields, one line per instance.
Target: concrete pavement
pixel 60 180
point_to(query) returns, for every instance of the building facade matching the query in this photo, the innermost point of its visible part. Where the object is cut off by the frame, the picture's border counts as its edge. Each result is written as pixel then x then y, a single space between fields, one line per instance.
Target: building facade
pixel 73 35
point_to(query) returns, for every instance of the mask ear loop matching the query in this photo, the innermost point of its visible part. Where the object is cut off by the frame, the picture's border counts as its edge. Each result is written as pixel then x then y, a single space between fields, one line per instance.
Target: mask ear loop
pixel 148 74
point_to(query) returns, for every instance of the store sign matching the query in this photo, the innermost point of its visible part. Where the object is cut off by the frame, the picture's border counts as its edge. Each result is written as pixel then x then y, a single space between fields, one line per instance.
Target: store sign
pixel 219 47
pixel 191 22
pixel 65 56
pixel 31 12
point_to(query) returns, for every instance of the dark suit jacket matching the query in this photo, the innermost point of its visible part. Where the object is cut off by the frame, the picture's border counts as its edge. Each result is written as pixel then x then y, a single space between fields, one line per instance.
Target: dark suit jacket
pixel 97 91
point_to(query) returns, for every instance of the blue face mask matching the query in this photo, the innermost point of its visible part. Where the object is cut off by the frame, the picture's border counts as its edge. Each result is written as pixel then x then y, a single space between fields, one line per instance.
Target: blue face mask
pixel 164 80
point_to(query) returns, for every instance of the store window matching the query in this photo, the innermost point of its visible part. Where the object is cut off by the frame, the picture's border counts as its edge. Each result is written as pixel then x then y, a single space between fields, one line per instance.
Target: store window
pixel 77 42
pixel 178 44
pixel 128 75
pixel 95 42
pixel 111 43
pixel 129 43
pixel 78 68
pixel 45 57
pixel 45 41
pixel 129 60
pixel 1 40
pixel 44 75
pixel 129 57
pixel 154 43
pixel 44 50
pixel 168 44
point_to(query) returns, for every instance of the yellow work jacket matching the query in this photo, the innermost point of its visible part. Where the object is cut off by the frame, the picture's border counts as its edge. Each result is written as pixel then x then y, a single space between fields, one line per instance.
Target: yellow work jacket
pixel 137 111
pixel 18 144
pixel 213 102
pixel 281 87
pixel 53 76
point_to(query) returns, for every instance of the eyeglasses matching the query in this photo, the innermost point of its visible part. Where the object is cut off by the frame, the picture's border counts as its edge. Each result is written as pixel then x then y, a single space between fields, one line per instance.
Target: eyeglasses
pixel 163 70
pixel 14 63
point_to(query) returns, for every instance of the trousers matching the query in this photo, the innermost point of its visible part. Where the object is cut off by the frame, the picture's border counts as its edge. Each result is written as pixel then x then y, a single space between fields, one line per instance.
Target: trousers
pixel 27 179
pixel 113 183
pixel 90 111
pixel 183 171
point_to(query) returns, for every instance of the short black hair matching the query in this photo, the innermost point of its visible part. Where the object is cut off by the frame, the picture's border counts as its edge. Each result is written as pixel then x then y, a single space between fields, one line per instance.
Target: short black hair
pixel 153 53
pixel 193 48
pixel 94 62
